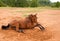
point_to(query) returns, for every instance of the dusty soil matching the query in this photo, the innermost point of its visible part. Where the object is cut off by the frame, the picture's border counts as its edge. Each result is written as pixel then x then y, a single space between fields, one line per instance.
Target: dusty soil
pixel 49 18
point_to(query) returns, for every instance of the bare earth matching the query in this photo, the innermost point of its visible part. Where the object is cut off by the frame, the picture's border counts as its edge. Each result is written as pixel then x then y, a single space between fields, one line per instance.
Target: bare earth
pixel 49 18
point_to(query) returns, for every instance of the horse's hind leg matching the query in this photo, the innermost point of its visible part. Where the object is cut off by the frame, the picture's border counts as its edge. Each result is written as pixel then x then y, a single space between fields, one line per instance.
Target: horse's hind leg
pixel 21 30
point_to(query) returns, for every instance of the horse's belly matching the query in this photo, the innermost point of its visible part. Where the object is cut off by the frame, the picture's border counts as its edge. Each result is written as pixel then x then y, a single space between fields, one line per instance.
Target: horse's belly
pixel 25 25
pixel 22 25
pixel 29 25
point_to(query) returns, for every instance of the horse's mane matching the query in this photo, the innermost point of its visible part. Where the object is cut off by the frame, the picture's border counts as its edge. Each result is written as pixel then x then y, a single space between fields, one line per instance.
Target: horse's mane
pixel 28 18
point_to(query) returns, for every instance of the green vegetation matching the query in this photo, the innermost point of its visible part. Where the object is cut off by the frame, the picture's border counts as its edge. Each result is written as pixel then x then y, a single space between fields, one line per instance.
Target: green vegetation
pixel 56 4
pixel 28 3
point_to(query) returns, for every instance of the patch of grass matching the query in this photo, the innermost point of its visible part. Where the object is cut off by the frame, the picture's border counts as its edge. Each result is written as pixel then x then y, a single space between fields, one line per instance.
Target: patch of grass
pixel 25 15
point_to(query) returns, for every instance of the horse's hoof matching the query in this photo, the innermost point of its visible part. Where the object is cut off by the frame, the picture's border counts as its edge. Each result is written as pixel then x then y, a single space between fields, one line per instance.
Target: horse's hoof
pixel 42 29
pixel 21 31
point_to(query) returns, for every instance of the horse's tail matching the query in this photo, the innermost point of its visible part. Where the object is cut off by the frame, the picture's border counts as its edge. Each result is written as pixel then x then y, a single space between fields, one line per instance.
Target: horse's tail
pixel 8 25
pixel 5 27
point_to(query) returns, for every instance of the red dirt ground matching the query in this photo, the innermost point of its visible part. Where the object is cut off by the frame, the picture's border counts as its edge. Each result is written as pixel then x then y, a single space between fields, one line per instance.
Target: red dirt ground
pixel 47 17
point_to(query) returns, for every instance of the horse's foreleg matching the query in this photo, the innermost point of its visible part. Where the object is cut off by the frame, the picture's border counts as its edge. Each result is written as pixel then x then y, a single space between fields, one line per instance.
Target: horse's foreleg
pixel 40 26
pixel 17 28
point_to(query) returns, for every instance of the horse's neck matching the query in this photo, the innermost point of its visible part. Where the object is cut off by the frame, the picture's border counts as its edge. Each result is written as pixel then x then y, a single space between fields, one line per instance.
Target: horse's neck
pixel 29 21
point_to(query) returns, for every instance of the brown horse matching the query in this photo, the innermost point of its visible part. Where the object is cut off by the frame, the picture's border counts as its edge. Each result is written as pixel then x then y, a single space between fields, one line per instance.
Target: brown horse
pixel 25 23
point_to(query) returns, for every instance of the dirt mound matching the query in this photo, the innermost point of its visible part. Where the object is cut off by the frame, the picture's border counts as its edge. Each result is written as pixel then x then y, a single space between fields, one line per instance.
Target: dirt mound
pixel 28 35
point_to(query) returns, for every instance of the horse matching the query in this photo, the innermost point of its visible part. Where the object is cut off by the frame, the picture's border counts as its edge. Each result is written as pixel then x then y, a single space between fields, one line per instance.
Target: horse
pixel 29 22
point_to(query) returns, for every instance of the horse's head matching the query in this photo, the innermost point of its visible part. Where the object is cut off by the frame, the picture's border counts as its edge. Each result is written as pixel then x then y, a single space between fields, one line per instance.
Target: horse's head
pixel 33 18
